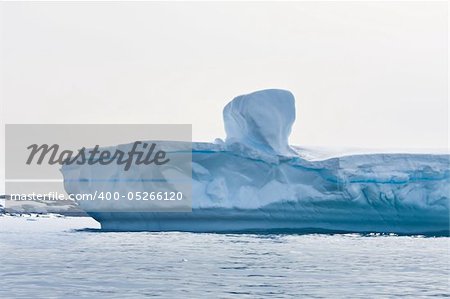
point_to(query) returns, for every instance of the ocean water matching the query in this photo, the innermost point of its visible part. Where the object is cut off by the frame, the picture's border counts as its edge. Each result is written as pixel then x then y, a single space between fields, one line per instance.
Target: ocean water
pixel 69 257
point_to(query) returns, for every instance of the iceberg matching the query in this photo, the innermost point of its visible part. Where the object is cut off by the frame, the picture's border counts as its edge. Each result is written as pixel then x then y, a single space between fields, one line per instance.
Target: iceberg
pixel 254 181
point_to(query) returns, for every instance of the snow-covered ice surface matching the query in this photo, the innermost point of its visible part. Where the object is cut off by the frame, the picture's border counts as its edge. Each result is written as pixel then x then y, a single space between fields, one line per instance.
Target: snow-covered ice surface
pixel 256 181
pixel 38 223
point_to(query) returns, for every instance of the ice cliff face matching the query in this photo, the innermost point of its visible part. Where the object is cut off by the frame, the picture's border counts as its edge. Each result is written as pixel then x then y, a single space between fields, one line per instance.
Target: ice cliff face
pixel 256 182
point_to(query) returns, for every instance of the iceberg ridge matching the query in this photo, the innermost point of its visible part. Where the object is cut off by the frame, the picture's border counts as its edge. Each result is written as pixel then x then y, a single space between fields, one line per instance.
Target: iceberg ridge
pixel 255 181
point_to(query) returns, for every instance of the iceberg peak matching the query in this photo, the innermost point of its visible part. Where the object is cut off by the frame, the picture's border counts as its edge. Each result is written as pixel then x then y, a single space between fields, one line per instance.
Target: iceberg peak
pixel 261 120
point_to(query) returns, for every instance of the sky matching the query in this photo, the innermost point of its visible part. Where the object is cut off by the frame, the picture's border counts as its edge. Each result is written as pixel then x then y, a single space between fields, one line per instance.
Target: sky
pixel 364 74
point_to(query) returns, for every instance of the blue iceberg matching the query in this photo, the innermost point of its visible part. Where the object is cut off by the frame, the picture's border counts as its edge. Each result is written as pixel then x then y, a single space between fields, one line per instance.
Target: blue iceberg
pixel 254 181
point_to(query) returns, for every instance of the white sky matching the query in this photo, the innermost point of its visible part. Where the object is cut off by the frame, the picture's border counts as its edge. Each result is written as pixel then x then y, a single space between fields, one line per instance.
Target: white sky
pixel 364 74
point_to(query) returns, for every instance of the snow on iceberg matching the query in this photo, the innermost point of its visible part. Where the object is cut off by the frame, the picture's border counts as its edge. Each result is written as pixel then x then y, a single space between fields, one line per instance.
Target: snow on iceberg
pixel 262 120
pixel 254 181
